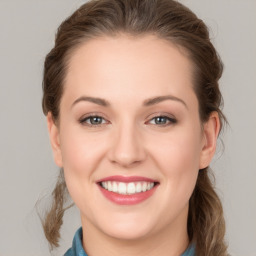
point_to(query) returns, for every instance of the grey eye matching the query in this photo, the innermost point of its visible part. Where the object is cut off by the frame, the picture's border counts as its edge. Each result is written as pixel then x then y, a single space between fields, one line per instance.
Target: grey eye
pixel 93 120
pixel 162 120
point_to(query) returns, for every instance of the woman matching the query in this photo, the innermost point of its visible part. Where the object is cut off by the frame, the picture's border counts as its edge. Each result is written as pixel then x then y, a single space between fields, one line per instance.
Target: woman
pixel 132 101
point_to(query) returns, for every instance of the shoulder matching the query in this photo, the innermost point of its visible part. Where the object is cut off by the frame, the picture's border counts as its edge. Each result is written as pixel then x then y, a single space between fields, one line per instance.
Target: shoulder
pixel 191 251
pixel 77 248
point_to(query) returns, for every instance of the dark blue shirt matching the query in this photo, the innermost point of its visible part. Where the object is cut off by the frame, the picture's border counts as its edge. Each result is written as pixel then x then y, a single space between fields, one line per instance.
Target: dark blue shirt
pixel 77 248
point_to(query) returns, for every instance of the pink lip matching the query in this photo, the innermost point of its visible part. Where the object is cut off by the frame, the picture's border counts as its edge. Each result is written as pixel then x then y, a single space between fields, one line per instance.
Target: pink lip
pixel 126 179
pixel 127 199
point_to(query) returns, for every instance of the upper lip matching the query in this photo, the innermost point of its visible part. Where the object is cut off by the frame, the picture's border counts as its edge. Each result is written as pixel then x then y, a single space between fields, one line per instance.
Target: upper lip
pixel 126 179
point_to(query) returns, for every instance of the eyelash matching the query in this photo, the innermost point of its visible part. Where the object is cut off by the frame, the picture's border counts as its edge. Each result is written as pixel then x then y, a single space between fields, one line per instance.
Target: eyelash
pixel 169 120
pixel 83 121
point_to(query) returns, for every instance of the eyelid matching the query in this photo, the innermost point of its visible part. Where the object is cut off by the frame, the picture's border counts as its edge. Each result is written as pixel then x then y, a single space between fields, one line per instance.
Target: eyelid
pixel 86 116
pixel 170 117
pixel 157 114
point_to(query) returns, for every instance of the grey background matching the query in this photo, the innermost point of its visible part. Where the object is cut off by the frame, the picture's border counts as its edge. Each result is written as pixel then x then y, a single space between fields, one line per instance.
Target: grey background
pixel 27 171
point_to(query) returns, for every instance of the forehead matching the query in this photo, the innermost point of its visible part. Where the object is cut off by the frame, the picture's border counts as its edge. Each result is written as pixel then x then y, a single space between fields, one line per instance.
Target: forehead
pixel 146 65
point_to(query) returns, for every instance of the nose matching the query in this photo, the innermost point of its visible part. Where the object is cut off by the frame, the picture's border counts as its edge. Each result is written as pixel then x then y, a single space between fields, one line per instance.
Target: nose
pixel 127 148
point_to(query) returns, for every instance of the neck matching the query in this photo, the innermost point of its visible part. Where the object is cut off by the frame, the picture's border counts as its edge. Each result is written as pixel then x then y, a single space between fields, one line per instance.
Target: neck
pixel 170 241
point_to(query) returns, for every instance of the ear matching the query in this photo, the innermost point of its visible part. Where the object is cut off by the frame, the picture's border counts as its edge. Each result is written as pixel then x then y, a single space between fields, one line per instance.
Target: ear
pixel 54 139
pixel 210 135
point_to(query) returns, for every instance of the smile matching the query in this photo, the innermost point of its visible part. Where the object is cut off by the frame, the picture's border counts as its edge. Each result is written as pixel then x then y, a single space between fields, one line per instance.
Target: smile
pixel 127 190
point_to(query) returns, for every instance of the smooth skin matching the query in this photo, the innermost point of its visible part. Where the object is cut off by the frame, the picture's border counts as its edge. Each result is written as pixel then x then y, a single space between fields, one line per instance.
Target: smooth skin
pixel 117 79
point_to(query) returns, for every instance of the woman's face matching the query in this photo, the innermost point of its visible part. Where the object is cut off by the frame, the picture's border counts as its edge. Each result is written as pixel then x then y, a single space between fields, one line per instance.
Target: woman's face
pixel 129 117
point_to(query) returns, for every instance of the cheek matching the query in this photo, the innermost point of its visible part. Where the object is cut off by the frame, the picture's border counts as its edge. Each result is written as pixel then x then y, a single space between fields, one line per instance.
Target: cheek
pixel 178 152
pixel 80 152
pixel 178 158
pixel 81 155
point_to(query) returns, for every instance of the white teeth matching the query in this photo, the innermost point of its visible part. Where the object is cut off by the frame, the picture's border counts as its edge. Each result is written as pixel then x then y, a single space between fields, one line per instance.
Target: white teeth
pixel 114 187
pixel 131 188
pixel 138 187
pixel 127 188
pixel 144 186
pixel 109 186
pixel 104 184
pixel 122 188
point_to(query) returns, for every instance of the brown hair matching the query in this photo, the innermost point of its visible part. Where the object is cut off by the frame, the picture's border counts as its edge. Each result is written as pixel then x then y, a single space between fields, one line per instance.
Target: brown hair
pixel 168 20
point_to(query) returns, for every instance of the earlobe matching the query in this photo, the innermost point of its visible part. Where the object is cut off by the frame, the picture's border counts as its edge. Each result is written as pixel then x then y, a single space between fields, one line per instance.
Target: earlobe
pixel 54 139
pixel 211 132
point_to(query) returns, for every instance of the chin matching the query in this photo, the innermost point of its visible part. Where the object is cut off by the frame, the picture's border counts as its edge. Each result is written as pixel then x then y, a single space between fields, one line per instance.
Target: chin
pixel 129 235
pixel 128 230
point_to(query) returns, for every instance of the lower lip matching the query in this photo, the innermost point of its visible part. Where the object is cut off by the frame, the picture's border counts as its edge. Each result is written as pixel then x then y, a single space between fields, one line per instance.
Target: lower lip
pixel 127 199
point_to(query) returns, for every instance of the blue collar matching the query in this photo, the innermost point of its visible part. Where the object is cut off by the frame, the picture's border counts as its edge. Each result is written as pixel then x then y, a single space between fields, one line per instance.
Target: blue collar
pixel 77 248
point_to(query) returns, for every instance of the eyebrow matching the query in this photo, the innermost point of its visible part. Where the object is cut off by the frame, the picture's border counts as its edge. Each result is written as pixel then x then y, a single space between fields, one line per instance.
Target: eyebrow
pixel 155 100
pixel 148 102
pixel 97 101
